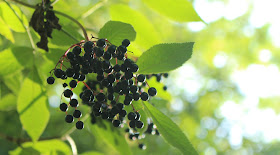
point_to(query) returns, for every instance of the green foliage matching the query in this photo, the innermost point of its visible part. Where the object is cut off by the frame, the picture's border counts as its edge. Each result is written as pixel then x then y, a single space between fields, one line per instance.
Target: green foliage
pixel 32 106
pixel 169 130
pixel 147 35
pixel 14 59
pixel 178 10
pixel 116 32
pixel 111 136
pixel 43 147
pixel 11 19
pixel 164 57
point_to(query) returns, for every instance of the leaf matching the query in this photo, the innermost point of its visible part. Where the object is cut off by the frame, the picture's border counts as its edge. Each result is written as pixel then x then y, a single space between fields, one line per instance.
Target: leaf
pixel 147 34
pixel 159 87
pixel 169 130
pixel 15 59
pixel 116 32
pixel 178 10
pixel 92 153
pixel 163 58
pixel 111 136
pixel 43 147
pixel 8 102
pixel 32 106
pixel 11 19
pixel 5 31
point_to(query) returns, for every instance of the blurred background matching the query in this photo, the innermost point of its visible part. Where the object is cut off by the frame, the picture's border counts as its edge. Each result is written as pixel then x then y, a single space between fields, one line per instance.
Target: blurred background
pixel 225 98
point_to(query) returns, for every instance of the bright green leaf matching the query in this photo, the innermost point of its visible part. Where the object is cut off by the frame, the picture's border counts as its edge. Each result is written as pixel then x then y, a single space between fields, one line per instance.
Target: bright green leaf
pixel 116 32
pixel 92 153
pixel 169 130
pixel 159 86
pixel 178 10
pixel 5 31
pixel 14 81
pixel 164 57
pixel 15 59
pixel 11 19
pixel 43 147
pixel 111 136
pixel 32 106
pixel 147 35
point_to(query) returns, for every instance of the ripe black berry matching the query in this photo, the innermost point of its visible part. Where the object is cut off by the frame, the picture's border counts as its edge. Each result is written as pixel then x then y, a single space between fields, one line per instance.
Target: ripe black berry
pixel 101 43
pixel 79 125
pixel 69 118
pixel 64 85
pixel 139 124
pixel 68 93
pixel 144 96
pixel 58 73
pixel 50 80
pixel 137 116
pixel 125 42
pixel 77 114
pixel 112 49
pixel 132 124
pixel 141 78
pixel 136 96
pixel 100 97
pixel 70 56
pixel 74 102
pixel 152 91
pixel 122 49
pixel 107 56
pixel 70 72
pixel 82 77
pixel 63 107
pixel 122 113
pixel 117 68
pixel 77 50
pixel 116 123
pixel 73 83
pixel 131 116
pixel 164 88
pixel 88 47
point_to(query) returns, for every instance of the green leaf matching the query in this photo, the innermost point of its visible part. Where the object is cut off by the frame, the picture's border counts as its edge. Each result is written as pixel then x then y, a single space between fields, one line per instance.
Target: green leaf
pixel 11 19
pixel 116 32
pixel 15 59
pixel 111 136
pixel 43 147
pixel 159 86
pixel 163 58
pixel 5 31
pixel 8 102
pixel 169 130
pixel 32 106
pixel 178 10
pixel 92 153
pixel 147 34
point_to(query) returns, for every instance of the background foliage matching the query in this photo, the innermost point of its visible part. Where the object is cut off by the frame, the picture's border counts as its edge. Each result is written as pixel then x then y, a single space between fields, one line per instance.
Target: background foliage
pixel 196 92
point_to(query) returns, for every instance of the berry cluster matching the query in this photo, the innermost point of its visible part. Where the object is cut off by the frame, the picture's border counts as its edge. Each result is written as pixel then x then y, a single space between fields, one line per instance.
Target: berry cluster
pixel 107 75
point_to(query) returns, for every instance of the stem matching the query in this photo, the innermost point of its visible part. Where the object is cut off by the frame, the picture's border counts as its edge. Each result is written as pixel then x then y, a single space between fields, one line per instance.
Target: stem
pixel 74 20
pixel 72 144
pixel 69 35
pixel 93 8
pixel 54 2
pixel 25 27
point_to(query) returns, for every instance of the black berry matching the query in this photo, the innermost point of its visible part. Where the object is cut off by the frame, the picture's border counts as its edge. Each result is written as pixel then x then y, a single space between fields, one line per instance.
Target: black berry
pixel 50 80
pixel 79 125
pixel 77 114
pixel 63 107
pixel 69 118
pixel 152 91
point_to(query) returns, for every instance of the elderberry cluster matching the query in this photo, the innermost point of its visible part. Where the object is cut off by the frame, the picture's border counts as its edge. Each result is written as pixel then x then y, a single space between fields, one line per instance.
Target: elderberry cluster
pixel 107 75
